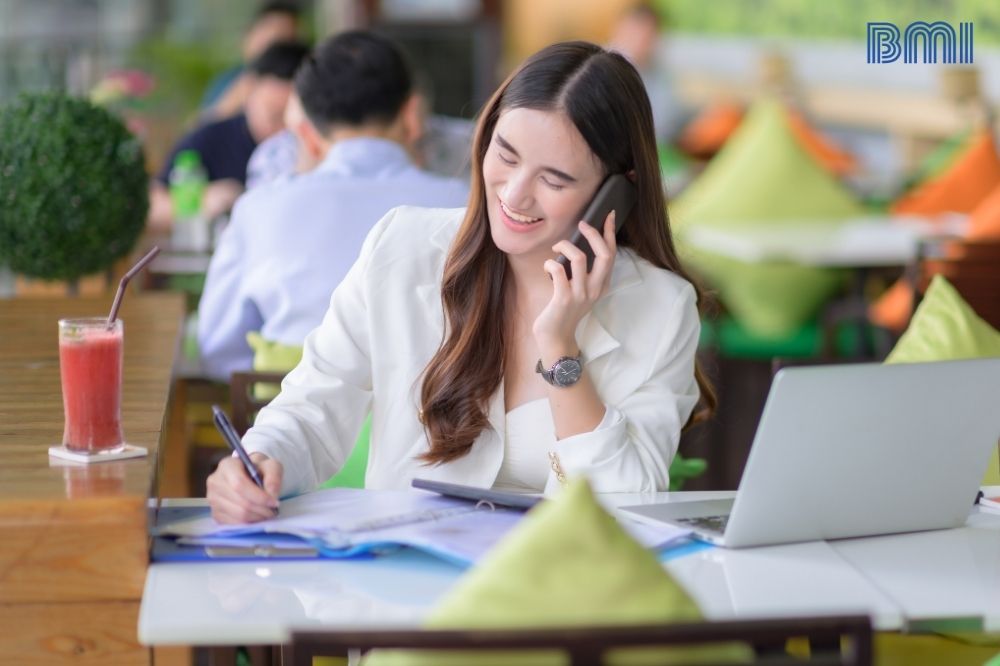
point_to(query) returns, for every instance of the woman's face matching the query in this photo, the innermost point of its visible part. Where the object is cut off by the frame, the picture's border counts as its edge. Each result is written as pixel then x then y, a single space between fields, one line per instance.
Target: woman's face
pixel 539 174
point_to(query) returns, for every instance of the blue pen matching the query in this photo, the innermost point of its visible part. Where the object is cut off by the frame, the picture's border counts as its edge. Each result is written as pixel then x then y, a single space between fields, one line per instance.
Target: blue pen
pixel 233 440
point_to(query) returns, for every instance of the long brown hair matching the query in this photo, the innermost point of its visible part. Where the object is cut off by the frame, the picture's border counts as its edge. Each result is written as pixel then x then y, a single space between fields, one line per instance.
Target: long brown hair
pixel 604 97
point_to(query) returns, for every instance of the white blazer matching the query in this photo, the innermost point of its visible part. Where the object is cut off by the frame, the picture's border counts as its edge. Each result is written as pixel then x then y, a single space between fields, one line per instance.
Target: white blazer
pixel 386 321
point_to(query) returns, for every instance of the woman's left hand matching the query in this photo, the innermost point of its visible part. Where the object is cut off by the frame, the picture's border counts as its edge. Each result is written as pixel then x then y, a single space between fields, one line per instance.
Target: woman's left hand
pixel 555 327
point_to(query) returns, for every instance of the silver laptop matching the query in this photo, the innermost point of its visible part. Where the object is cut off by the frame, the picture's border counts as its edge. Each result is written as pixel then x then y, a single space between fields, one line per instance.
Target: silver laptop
pixel 856 450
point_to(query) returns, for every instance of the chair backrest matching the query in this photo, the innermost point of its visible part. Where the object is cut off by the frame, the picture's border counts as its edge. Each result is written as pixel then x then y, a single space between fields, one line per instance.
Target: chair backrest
pixel 843 640
pixel 971 266
pixel 244 403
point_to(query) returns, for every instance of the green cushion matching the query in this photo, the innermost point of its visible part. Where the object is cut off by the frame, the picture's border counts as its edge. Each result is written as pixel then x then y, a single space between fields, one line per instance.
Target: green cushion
pixel 672 161
pixel 682 469
pixel 992 477
pixel 729 338
pixel 763 177
pixel 568 563
pixel 944 328
pixel 270 356
pixel 352 474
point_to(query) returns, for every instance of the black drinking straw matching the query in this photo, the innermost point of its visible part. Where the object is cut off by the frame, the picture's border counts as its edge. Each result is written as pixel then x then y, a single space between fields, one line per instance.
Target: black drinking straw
pixel 139 265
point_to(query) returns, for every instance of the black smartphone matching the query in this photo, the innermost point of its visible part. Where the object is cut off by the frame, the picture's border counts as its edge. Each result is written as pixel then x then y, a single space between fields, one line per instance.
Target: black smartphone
pixel 616 193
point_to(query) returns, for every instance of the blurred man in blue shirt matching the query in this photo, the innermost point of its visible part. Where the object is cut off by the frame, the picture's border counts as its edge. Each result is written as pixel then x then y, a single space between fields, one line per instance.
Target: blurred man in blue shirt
pixel 289 243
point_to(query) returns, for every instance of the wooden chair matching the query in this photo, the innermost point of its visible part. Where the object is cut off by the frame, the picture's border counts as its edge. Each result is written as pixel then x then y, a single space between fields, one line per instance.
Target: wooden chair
pixel 843 640
pixel 971 266
pixel 242 400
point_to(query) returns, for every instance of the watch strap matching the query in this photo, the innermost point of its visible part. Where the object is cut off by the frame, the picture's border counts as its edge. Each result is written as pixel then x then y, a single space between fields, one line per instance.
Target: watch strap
pixel 549 374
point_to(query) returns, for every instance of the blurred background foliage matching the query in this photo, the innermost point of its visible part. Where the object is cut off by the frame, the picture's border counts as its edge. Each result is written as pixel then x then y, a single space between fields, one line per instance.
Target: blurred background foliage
pixel 842 19
pixel 72 45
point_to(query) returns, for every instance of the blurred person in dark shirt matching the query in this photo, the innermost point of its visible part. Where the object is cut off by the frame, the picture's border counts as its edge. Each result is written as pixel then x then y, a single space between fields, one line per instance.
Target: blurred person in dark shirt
pixel 225 146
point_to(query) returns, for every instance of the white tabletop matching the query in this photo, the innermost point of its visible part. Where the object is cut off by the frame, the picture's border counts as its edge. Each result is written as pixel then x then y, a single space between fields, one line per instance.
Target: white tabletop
pixel 234 603
pixel 940 575
pixel 849 243
pixel 228 603
pixel 804 579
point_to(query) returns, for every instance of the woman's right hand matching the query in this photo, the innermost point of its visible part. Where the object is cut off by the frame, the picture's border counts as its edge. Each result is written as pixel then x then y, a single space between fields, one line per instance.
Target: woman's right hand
pixel 235 498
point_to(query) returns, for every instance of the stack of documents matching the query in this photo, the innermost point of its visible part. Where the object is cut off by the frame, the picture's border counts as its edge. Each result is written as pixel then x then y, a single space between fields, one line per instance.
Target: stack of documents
pixel 989 500
pixel 347 522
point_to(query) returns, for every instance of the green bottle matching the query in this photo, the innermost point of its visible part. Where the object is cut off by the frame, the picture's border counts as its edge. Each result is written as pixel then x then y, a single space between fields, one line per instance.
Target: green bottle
pixel 188 180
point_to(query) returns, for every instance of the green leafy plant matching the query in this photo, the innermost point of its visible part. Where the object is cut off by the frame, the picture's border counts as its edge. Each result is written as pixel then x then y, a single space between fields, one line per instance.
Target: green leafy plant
pixel 73 187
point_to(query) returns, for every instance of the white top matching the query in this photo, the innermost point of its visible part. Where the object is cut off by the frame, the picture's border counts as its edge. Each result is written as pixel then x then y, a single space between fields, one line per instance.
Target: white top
pixel 530 435
pixel 290 242
pixel 384 324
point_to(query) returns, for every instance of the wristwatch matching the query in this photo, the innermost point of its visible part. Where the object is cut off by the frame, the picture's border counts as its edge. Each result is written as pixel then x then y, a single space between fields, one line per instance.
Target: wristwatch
pixel 564 372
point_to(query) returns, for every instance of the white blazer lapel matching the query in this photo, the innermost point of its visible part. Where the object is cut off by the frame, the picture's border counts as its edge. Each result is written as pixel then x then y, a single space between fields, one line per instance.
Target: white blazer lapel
pixel 594 339
pixel 428 293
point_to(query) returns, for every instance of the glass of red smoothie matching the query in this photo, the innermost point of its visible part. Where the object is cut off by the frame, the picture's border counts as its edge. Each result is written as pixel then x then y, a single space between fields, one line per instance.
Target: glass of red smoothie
pixel 90 365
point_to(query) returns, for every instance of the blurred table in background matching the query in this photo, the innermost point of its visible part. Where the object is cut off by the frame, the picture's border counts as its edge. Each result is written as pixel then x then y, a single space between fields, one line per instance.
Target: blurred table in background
pixel 170 262
pixel 176 269
pixel 862 244
pixel 865 242
pixel 868 247
pixel 73 539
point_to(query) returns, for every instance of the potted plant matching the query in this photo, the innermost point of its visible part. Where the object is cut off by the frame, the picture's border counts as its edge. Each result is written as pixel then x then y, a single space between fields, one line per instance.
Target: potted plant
pixel 73 187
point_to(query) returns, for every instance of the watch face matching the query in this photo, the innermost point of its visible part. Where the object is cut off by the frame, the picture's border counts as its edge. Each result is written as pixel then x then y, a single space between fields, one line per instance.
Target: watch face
pixel 566 372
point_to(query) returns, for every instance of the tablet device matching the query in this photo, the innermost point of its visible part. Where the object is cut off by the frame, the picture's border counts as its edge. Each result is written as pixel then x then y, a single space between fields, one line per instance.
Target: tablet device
pixel 494 497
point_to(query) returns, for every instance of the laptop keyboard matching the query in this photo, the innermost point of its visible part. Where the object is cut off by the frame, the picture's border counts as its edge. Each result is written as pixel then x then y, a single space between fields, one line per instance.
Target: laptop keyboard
pixel 707 523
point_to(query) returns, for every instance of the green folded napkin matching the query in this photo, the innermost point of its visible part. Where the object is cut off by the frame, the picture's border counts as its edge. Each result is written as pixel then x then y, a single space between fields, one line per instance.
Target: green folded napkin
pixel 946 328
pixel 568 563
pixel 763 177
pixel 271 356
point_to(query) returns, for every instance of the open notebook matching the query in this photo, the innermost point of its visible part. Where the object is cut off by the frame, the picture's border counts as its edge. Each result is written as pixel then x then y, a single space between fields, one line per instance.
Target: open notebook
pixel 347 522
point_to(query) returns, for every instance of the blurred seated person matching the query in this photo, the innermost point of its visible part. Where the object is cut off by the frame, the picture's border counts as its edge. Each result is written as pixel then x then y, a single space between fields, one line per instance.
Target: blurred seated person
pixel 637 37
pixel 445 143
pixel 225 145
pixel 440 145
pixel 290 242
pixel 282 154
pixel 275 21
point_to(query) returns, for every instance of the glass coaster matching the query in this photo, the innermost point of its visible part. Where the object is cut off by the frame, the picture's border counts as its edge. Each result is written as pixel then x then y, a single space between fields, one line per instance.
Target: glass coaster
pixel 129 451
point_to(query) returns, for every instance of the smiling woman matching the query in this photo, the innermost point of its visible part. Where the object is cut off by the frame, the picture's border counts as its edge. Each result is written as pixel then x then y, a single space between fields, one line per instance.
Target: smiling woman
pixel 573 114
pixel 550 179
pixel 481 360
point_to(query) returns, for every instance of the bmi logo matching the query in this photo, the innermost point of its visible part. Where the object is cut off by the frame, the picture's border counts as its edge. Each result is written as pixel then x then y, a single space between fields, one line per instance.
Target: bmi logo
pixel 919 42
